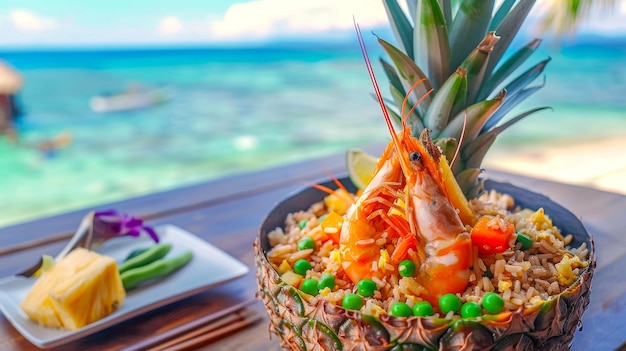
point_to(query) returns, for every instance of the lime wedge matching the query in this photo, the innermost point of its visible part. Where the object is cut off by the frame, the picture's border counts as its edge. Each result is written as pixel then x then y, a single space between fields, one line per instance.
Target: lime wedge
pixel 46 263
pixel 360 166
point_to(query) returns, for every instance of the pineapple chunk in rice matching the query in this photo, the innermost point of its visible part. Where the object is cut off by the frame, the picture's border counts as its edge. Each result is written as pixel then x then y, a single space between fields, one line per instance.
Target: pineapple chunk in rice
pixel 384 262
pixel 566 268
pixel 338 201
pixel 292 278
pixel 284 267
pixel 504 285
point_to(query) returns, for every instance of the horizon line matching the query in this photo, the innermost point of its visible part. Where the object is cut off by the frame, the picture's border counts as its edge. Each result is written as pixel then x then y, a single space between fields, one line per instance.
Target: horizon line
pixel 275 43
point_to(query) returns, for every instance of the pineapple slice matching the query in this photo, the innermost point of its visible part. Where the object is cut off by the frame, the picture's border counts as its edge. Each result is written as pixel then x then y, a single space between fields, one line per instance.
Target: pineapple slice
pixel 82 288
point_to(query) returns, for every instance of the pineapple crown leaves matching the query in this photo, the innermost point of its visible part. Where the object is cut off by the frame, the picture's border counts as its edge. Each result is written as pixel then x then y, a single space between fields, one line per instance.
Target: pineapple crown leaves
pixel 459 47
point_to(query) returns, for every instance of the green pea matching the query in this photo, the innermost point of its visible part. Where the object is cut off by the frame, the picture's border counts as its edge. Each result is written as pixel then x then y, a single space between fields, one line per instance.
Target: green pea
pixel 400 309
pixel 327 280
pixel 406 268
pixel 301 266
pixel 470 309
pixel 493 302
pixel 449 302
pixel 306 243
pixel 525 240
pixel 309 286
pixel 366 287
pixel 423 309
pixel 352 302
pixel 302 224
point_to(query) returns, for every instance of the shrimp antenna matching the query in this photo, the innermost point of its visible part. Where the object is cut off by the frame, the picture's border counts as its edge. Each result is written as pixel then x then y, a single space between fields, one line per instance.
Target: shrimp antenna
pixel 405 117
pixel 370 71
pixel 331 176
pixel 458 145
pixel 330 191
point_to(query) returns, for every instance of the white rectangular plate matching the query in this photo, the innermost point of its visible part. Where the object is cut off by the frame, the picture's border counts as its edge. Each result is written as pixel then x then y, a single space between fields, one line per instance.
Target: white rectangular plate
pixel 209 267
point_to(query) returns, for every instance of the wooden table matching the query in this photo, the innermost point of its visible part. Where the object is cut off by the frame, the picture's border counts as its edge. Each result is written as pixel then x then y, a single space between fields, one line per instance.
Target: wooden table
pixel 228 212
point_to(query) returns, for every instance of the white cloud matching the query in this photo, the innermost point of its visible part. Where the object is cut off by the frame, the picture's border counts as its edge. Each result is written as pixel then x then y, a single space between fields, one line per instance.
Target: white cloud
pixel 30 21
pixel 170 25
pixel 263 19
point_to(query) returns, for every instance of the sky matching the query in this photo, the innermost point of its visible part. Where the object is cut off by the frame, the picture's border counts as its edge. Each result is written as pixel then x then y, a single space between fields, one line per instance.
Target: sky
pixel 70 23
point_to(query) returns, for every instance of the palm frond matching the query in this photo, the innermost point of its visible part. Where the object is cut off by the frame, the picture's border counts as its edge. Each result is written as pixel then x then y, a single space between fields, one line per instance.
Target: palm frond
pixel 564 16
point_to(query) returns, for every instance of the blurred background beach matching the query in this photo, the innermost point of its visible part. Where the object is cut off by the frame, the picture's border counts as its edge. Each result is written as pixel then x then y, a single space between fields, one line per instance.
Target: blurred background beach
pixel 245 97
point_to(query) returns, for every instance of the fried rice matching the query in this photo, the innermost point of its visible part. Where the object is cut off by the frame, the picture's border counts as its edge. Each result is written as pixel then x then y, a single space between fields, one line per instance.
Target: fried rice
pixel 524 278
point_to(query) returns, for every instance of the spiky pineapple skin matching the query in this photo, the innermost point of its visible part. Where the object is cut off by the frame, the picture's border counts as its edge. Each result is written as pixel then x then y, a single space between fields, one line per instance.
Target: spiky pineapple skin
pixel 303 322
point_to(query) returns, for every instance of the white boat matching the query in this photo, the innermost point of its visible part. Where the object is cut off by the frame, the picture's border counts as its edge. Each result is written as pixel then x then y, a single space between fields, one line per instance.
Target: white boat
pixel 129 100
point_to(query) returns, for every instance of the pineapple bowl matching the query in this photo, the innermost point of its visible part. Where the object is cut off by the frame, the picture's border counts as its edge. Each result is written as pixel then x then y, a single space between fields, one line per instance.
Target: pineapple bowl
pixel 426 254
pixel 306 322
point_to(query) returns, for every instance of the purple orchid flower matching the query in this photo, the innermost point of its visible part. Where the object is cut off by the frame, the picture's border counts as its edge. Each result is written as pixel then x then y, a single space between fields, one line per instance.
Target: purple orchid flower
pixel 111 223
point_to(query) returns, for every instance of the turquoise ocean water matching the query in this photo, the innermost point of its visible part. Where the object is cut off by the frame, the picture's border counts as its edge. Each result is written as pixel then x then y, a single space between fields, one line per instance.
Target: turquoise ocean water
pixel 236 110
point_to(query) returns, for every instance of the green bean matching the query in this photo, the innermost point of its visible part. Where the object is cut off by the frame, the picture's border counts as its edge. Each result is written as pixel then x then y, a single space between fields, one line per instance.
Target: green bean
pixel 136 252
pixel 159 268
pixel 152 254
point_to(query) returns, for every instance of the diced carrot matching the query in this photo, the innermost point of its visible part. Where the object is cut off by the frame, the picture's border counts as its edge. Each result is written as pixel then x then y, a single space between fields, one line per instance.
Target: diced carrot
pixel 402 248
pixel 358 271
pixel 318 235
pixel 492 235
pixel 331 225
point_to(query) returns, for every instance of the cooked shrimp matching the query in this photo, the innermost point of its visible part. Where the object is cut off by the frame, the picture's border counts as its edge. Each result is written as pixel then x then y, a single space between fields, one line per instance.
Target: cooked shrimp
pixel 434 220
pixel 405 208
pixel 369 225
pixel 408 178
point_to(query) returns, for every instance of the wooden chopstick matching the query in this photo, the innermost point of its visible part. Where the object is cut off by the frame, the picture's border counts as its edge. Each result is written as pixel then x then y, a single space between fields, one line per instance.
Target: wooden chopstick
pixel 35 243
pixel 189 327
pixel 212 331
